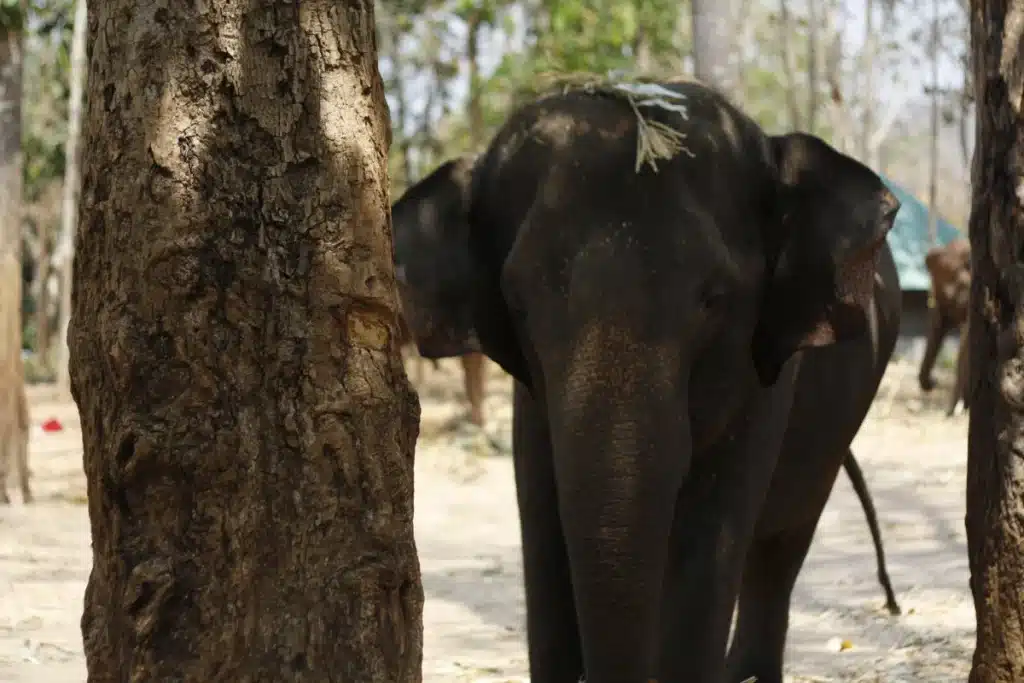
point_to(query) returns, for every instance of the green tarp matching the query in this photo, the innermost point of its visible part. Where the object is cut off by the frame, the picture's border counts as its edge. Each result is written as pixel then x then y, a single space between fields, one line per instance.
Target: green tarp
pixel 909 239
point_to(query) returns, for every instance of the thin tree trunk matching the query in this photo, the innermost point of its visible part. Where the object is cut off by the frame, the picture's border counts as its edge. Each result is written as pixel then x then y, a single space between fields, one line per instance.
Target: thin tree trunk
pixel 788 66
pixel 966 96
pixel 10 182
pixel 72 183
pixel 476 113
pixel 712 42
pixel 965 112
pixel 389 28
pixel 842 127
pixel 813 65
pixel 42 346
pixel 405 139
pixel 743 21
pixel 10 139
pixel 643 62
pixel 933 157
pixel 247 424
pixel 995 467
pixel 868 59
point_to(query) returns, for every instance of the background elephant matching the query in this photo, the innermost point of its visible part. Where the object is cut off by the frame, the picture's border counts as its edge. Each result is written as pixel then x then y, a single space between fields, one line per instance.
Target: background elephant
pixel 415 221
pixel 949 267
pixel 673 446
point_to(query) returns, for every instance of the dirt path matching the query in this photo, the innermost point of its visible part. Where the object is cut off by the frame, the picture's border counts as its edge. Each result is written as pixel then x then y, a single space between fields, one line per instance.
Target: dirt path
pixel 468 538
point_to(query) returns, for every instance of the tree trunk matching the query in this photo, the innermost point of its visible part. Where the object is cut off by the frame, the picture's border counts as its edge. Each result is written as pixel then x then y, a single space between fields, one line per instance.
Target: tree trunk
pixel 788 65
pixel 10 182
pixel 933 157
pixel 813 65
pixel 712 43
pixel 642 57
pixel 745 47
pixel 390 30
pixel 995 467
pixel 476 113
pixel 867 71
pixel 842 126
pixel 42 346
pixel 72 183
pixel 247 424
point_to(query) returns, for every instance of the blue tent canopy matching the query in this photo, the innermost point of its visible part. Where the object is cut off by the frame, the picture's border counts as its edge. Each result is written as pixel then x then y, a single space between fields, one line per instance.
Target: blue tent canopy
pixel 909 239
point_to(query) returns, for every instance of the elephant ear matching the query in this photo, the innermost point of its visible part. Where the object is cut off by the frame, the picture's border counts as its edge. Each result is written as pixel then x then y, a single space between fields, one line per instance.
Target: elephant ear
pixel 832 215
pixel 432 267
pixel 490 241
pixel 449 255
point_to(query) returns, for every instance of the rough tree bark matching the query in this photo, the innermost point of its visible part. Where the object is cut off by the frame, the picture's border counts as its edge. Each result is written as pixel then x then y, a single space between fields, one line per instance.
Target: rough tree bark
pixel 995 461
pixel 247 423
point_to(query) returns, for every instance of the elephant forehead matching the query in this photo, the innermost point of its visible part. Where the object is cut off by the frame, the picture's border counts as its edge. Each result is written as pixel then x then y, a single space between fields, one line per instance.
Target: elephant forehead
pixel 634 245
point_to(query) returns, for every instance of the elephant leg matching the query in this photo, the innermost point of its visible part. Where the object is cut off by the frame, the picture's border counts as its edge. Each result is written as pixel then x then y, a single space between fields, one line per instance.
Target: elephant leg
pixel 772 566
pixel 418 365
pixel 937 330
pixel 473 366
pixel 713 531
pixel 6 454
pixel 960 386
pixel 24 474
pixel 551 625
pixel 411 353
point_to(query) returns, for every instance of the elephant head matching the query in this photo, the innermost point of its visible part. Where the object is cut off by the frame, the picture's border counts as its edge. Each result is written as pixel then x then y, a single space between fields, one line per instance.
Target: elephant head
pixel 430 229
pixel 651 316
pixel 949 267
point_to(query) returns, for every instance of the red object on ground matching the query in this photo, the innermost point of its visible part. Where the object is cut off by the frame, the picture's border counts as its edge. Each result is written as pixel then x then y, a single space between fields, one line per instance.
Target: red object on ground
pixel 52 425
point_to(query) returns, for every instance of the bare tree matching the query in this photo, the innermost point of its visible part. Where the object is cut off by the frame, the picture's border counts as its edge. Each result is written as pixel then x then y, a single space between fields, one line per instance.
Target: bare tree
pixel 933 157
pixel 72 180
pixel 813 64
pixel 789 65
pixel 248 427
pixel 868 60
pixel 474 23
pixel 995 475
pixel 13 404
pixel 11 22
pixel 713 46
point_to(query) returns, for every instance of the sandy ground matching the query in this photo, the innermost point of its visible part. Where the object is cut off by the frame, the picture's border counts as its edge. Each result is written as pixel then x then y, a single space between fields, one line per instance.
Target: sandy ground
pixel 468 538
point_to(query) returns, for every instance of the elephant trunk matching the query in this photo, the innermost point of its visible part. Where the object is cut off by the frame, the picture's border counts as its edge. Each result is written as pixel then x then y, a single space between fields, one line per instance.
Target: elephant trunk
pixel 619 468
pixel 937 330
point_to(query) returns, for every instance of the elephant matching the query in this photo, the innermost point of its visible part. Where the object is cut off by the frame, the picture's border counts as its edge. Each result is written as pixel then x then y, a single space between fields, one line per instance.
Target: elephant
pixel 694 347
pixel 413 223
pixel 949 267
pixel 423 241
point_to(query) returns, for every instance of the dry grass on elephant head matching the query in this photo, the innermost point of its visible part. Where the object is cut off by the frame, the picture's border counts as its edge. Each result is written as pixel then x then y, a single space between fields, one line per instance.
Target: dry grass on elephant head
pixel 656 140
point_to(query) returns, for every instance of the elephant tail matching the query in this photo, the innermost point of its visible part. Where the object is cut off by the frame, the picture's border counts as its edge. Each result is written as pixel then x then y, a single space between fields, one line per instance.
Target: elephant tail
pixel 860 486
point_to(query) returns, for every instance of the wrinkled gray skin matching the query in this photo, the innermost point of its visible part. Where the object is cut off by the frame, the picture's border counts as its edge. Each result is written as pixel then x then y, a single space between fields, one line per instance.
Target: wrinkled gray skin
pixel 653 323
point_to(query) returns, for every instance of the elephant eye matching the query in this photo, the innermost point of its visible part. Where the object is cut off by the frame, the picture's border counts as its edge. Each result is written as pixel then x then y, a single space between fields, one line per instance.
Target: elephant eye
pixel 712 299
